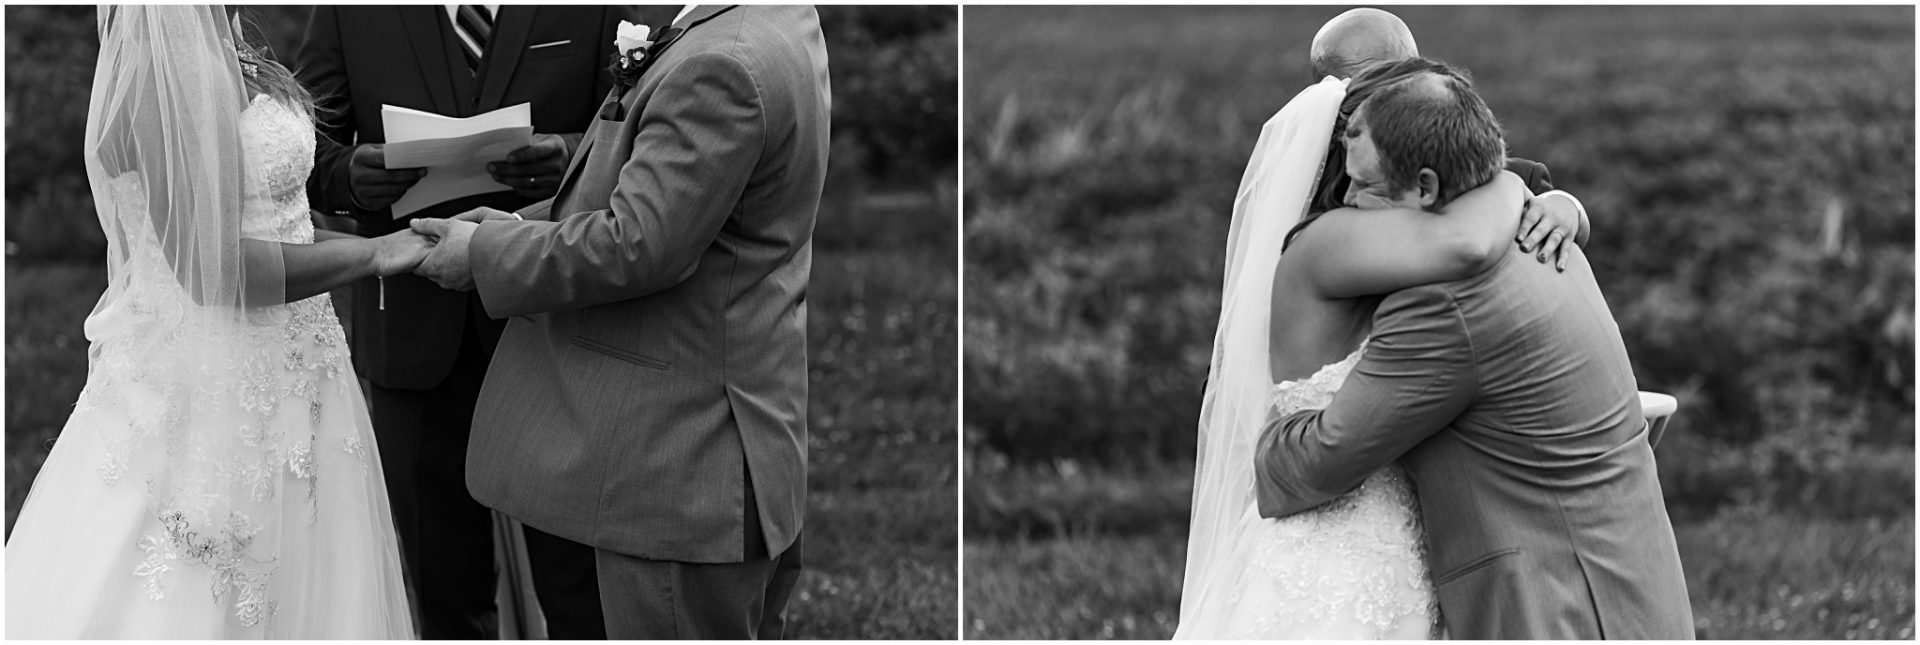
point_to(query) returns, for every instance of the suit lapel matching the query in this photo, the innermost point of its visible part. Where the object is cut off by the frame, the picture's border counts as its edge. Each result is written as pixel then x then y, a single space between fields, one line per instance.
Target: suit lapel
pixel 422 30
pixel 504 51
pixel 573 166
pixel 700 14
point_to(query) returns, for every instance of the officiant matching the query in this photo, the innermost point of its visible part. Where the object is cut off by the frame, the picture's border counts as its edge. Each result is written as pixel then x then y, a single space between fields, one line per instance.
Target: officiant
pixel 424 350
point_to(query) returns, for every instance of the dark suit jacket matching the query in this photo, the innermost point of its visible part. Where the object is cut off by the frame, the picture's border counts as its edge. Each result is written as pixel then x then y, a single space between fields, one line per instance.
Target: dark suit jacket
pixel 356 58
pixel 653 377
pixel 1533 172
pixel 1509 399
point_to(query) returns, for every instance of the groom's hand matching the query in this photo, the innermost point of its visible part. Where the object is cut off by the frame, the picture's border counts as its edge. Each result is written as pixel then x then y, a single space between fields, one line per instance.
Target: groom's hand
pixel 447 265
pixel 533 171
pixel 484 214
pixel 373 184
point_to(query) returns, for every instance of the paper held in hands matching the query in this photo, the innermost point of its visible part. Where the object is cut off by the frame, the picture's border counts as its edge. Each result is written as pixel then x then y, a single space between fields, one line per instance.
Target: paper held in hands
pixel 455 151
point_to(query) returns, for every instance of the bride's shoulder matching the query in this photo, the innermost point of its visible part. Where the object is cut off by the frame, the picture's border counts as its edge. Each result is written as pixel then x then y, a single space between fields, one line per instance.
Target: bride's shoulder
pixel 1311 233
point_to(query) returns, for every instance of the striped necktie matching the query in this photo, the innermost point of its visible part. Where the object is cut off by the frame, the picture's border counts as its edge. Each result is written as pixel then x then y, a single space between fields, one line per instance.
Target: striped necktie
pixel 475 27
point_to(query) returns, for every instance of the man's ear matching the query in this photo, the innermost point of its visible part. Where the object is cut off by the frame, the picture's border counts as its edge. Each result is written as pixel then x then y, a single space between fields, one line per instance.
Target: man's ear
pixel 1428 182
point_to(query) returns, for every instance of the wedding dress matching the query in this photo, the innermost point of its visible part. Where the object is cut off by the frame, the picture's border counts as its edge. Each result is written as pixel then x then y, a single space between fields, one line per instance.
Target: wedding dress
pixel 218 478
pixel 1351 568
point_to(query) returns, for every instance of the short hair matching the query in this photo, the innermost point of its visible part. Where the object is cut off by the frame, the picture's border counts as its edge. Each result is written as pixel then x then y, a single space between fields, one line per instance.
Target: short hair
pixel 1429 116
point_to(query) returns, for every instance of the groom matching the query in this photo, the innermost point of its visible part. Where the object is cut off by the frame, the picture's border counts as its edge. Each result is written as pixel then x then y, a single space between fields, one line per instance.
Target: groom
pixel 1508 398
pixel 649 395
pixel 1359 38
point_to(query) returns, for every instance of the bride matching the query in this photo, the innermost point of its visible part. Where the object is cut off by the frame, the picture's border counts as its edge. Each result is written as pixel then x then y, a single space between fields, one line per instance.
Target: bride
pixel 218 476
pixel 1352 568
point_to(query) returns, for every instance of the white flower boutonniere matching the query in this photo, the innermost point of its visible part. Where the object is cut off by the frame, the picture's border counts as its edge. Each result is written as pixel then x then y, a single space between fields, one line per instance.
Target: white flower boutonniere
pixel 630 45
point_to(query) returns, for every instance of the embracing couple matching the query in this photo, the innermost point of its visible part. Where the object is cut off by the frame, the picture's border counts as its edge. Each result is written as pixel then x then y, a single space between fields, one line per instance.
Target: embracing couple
pixel 219 477
pixel 1412 428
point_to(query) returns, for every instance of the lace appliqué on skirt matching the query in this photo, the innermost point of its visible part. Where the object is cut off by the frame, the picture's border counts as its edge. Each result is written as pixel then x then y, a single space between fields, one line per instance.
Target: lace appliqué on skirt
pixel 1353 568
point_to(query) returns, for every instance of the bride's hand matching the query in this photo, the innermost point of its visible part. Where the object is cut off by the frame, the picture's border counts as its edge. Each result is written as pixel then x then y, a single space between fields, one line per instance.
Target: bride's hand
pixel 1551 224
pixel 399 252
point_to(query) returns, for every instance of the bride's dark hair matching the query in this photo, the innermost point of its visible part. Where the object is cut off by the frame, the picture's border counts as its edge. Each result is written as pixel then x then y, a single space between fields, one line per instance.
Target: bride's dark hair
pixel 1331 192
pixel 263 74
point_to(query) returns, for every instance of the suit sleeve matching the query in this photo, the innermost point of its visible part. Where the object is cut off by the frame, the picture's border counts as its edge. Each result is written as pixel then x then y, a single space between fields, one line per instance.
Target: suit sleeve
pixel 698 139
pixel 322 69
pixel 1416 376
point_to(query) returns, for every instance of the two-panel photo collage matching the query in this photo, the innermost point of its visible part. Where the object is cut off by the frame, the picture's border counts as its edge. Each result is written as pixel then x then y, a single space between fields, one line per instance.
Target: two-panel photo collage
pixel 893 322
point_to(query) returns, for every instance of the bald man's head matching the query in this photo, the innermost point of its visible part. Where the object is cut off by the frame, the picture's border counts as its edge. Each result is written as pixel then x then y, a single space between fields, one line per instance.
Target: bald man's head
pixel 1360 37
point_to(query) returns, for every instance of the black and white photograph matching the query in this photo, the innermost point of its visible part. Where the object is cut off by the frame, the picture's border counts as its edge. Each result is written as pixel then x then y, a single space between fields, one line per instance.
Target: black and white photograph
pixel 572 322
pixel 1465 322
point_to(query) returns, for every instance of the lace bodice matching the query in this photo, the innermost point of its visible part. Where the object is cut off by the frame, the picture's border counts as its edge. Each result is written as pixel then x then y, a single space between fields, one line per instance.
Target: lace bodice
pixel 1351 568
pixel 1316 391
pixel 278 141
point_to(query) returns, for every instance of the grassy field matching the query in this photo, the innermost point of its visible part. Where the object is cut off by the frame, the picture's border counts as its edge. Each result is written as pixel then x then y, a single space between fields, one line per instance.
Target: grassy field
pixel 881 552
pixel 1100 554
pixel 1749 174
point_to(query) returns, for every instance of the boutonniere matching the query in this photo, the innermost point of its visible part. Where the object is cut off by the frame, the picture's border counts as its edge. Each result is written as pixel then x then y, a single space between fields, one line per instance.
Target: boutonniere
pixel 630 47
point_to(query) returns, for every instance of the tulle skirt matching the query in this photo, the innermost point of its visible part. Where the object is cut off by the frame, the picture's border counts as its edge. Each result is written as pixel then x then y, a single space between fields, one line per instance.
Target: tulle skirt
pixel 1351 569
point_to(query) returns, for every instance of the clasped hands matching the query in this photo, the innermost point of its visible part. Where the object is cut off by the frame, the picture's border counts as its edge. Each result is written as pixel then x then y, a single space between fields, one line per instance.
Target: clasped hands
pixel 434 248
pixel 437 248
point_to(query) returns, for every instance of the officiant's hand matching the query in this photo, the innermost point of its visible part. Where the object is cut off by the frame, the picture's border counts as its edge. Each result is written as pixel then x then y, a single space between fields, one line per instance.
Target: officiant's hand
pixel 374 185
pixel 447 265
pixel 533 171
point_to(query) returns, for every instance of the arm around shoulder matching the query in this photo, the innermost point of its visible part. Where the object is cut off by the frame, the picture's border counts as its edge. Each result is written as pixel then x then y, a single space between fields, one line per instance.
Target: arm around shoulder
pixel 1350 253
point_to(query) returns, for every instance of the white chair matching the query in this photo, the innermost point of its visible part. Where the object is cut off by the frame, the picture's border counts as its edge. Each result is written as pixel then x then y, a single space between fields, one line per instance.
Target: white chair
pixel 1657 409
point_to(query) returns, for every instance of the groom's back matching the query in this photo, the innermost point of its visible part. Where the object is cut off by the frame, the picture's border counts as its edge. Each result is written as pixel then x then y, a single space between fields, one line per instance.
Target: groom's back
pixel 1542 501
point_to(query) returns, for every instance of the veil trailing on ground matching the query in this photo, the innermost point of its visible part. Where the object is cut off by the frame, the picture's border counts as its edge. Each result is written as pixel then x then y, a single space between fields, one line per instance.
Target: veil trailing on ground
pixel 1274 195
pixel 164 157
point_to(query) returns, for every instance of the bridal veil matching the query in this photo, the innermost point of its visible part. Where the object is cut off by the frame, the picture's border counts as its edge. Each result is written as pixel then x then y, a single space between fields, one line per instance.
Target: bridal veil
pixel 1274 195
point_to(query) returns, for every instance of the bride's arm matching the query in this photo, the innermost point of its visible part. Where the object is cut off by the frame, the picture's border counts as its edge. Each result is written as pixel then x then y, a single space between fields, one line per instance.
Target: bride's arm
pixel 308 270
pixel 1348 253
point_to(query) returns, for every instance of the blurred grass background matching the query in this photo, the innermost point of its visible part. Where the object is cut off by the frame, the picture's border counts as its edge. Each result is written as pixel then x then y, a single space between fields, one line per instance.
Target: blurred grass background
pixel 882 337
pixel 1749 172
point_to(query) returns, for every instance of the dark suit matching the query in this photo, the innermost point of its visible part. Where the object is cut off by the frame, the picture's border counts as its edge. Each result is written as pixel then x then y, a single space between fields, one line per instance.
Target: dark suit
pixel 1509 399
pixel 426 352
pixel 650 396
pixel 1533 173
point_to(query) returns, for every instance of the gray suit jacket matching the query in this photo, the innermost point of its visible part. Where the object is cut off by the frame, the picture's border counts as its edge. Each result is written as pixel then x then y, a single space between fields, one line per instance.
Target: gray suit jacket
pixel 1509 399
pixel 649 395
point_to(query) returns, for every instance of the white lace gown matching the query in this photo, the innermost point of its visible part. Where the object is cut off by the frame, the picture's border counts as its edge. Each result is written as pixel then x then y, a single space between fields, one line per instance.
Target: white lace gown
pixel 265 516
pixel 1352 568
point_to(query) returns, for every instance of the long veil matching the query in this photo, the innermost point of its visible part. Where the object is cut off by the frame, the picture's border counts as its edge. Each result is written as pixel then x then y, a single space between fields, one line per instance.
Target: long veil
pixel 182 398
pixel 163 152
pixel 1274 195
